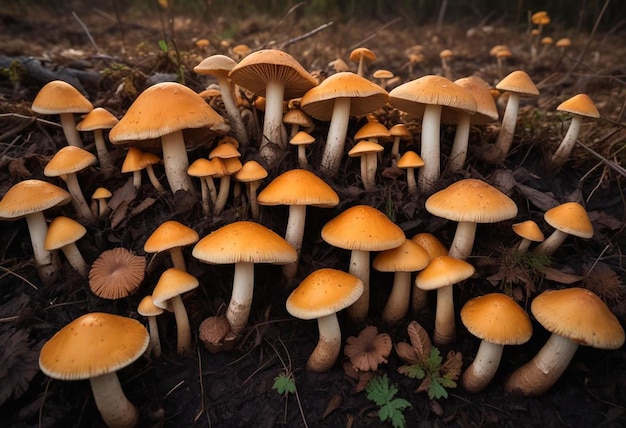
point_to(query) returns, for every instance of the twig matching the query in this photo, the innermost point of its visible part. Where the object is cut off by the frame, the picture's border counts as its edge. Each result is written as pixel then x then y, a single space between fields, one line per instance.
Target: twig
pixel 20 277
pixel 374 34
pixel 614 166
pixel 202 408
pixel 86 30
pixel 23 116
pixel 305 35
pixel 291 10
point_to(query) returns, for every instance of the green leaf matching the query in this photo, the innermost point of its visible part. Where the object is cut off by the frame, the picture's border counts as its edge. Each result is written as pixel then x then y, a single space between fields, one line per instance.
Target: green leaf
pixel 381 392
pixel 163 46
pixel 284 384
pixel 414 371
pixel 436 391
pixel 447 382
pixel 397 420
pixel 434 359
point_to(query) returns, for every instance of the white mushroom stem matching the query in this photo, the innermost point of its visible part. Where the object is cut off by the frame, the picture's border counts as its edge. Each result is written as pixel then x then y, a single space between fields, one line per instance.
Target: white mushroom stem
pixel 75 259
pixel 101 150
pixel 371 163
pixel 397 304
pixel 183 343
pixel 551 243
pixel 252 187
pixel 103 206
pixel 459 147
pixel 137 179
pixel 232 110
pixel 294 234
pixel 212 189
pixel 155 342
pixel 569 141
pixel 154 180
pixel 523 245
pixel 430 152
pixel 69 130
pixel 445 326
pixel 222 194
pixel 505 137
pixel 176 254
pixel 463 242
pixel 176 162
pixel 539 374
pixel 419 299
pixel 484 367
pixel 78 199
pixel 241 300
pixel 302 160
pixel 336 138
pixel 360 267
pixel 204 192
pixel 272 143
pixel 113 405
pixel 47 262
pixel 329 345
pixel 367 185
pixel 410 181
pixel 395 148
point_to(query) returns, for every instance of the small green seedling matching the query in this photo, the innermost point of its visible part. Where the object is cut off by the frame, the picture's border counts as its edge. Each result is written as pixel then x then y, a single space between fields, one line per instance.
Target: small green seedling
pixel 284 384
pixel 435 380
pixel 382 393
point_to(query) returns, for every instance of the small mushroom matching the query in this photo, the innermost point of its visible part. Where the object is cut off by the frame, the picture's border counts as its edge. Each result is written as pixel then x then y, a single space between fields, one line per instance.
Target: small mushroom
pixel 148 309
pixel 569 218
pixel 529 232
pixel 171 236
pixel 116 273
pixel 63 233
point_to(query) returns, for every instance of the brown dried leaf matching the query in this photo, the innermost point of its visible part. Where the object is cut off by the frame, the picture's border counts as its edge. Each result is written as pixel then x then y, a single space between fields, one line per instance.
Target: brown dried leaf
pixel 425 385
pixel 559 276
pixel 333 404
pixel 407 353
pixel 453 365
pixel 368 349
pixel 419 340
pixel 605 282
pixel 18 363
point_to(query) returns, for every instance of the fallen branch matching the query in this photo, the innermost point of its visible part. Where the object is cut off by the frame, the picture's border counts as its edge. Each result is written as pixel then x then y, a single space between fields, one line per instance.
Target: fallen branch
pixel 305 35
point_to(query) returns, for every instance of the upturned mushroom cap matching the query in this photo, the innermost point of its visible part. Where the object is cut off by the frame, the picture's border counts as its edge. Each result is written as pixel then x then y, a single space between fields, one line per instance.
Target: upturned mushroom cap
pixel 579 315
pixel 581 105
pixel 168 235
pixel 443 271
pixel 58 97
pixel 92 345
pixel 30 196
pixel 571 218
pixel 496 318
pixel 324 292
pixel 116 273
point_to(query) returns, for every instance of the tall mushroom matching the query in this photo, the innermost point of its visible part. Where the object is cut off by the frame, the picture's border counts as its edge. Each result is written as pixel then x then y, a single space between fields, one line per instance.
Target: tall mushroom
pixel 337 98
pixel 94 346
pixel 575 316
pixel 163 111
pixel 28 199
pixel 362 229
pixel 243 243
pixel 320 296
pixel 277 76
pixel 148 309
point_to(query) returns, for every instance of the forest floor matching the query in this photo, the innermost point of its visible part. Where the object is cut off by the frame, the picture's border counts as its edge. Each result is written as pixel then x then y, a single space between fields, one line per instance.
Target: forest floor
pixel 235 388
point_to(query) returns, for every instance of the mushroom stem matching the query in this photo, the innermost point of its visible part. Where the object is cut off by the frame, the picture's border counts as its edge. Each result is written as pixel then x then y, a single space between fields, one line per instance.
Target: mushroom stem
pixel 482 370
pixel 222 194
pixel 302 160
pixel 272 144
pixel 507 130
pixel 204 195
pixel 239 307
pixel 371 164
pixel 294 235
pixel 176 162
pixel 69 130
pixel 154 180
pixel 419 299
pixel 410 181
pixel 78 199
pixel 75 259
pixel 48 264
pixel 552 242
pixel 398 301
pixel 364 173
pixel 463 242
pixel 232 110
pixel 212 190
pixel 155 342
pixel 101 150
pixel 395 148
pixel 459 147
pixel 183 343
pixel 253 187
pixel 116 410
pixel 539 374
pixel 176 254
pixel 523 245
pixel 336 138
pixel 360 267
pixel 327 350
pixel 430 152
pixel 444 332
pixel 569 141
pixel 137 179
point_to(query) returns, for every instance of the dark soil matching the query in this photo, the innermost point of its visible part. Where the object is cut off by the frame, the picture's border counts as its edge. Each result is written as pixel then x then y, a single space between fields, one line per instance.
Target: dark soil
pixel 235 388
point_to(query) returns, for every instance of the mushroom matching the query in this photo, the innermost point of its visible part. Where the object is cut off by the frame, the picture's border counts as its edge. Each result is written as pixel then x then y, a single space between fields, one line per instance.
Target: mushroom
pixel 362 56
pixel 171 285
pixel 65 164
pixel 470 201
pixel 441 274
pixel 59 97
pixel 434 248
pixel 302 139
pixel 569 218
pixel 399 132
pixel 148 309
pixel 99 198
pixel 529 232
pixel 225 152
pixel 97 120
pixel 243 243
pixel 252 174
pixel 368 349
pixel 213 332
pixel 205 170
pixel 116 273
pixel 409 161
pixel 408 257
pixel 575 316
pixel 297 188
pixel 579 106
pixel 368 151
pixel 277 76
pixel 362 229
pixel 94 346
pixel 516 84
pixel 426 97
pixel 63 233
pixel 445 56
pixel 171 236
pixel 320 296
pixel 219 66
pixel 497 320
pixel 337 98
pixel 28 199
pixel 163 111
pixel 383 77
pixel 297 118
pixel 132 163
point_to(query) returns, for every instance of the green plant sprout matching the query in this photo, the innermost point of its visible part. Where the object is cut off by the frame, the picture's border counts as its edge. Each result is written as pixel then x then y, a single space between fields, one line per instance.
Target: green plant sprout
pixel 382 393
pixel 284 384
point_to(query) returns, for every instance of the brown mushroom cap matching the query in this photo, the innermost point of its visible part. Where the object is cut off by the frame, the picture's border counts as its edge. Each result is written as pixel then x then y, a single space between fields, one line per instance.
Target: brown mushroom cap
pixel 92 345
pixel 496 318
pixel 579 315
pixel 116 273
pixel 147 308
